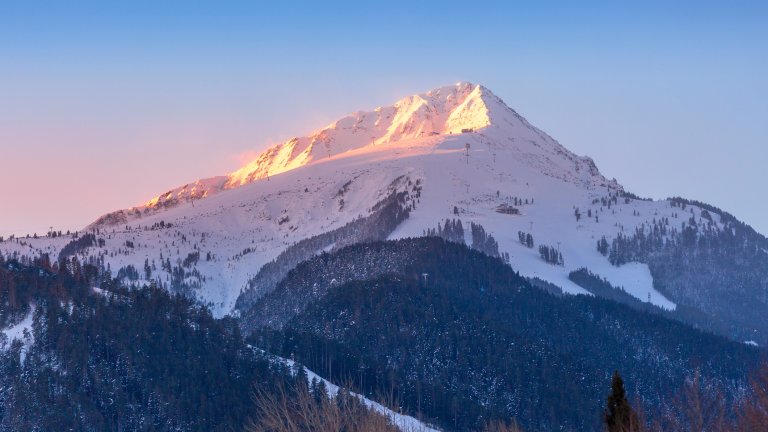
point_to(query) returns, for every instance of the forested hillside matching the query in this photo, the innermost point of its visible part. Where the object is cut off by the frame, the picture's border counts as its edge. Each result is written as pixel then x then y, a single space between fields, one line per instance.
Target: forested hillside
pixel 462 339
pixel 439 330
pixel 708 262
pixel 112 359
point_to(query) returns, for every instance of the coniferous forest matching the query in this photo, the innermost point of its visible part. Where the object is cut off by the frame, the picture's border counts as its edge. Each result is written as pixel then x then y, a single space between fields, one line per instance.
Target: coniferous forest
pixel 465 345
pixel 432 328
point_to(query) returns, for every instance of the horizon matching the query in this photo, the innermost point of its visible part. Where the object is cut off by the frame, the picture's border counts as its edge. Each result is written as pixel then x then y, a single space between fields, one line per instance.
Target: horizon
pixel 115 105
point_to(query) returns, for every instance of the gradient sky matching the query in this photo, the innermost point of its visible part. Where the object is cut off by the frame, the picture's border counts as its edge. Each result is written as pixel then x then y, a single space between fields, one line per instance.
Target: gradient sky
pixel 105 104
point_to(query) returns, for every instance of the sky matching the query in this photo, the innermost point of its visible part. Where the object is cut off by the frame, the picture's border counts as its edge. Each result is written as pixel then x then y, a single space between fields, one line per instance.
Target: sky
pixel 104 105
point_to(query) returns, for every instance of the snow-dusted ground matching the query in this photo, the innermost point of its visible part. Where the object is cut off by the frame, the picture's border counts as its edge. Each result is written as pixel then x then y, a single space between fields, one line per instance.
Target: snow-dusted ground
pixel 337 174
pixel 403 422
pixel 22 331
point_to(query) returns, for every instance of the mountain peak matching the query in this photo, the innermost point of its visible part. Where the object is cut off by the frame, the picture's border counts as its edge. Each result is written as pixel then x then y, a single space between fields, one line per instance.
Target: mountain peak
pixel 421 119
pixel 442 111
pixel 462 106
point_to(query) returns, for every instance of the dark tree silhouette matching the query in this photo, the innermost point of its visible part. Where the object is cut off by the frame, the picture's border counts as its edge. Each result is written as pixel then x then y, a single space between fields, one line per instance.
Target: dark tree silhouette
pixel 619 416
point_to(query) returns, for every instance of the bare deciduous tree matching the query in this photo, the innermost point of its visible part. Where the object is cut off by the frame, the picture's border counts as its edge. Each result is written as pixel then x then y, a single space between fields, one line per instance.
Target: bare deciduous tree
pixel 501 426
pixel 698 406
pixel 297 409
pixel 753 415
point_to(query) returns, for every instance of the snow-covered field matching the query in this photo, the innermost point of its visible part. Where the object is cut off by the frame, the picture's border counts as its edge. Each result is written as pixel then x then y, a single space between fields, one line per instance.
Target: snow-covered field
pixel 472 154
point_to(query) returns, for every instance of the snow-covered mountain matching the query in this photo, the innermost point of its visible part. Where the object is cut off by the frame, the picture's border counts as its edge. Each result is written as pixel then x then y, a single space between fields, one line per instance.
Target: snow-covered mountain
pixel 440 112
pixel 457 152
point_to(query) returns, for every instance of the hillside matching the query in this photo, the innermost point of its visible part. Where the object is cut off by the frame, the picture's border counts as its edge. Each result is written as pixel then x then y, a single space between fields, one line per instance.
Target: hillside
pixel 76 357
pixel 473 341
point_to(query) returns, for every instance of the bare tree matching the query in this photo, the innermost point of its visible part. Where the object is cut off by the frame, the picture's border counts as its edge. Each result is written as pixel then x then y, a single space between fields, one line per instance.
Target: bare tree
pixel 698 406
pixel 502 426
pixel 297 409
pixel 753 415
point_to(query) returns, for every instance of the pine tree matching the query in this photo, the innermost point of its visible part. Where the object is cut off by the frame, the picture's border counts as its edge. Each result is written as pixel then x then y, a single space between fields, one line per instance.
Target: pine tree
pixel 602 246
pixel 301 379
pixel 619 416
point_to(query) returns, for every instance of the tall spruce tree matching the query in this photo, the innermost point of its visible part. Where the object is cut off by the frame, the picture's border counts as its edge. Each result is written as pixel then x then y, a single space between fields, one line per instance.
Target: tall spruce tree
pixel 619 416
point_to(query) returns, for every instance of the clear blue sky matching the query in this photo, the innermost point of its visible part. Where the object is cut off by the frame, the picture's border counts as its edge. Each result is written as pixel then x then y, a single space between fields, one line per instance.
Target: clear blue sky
pixel 105 104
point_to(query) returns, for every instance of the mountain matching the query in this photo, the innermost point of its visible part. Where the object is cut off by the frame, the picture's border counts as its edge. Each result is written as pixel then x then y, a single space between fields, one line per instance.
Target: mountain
pixel 443 111
pixel 453 157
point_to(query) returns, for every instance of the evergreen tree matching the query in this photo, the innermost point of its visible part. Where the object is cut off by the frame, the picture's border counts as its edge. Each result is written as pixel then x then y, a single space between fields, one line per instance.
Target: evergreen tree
pixel 147 269
pixel 619 416
pixel 602 246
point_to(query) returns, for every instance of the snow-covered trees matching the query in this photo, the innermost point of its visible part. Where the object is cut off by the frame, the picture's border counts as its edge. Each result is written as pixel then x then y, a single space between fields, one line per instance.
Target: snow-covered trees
pixel 191 259
pixel 602 246
pixel 525 239
pixel 451 230
pixel 483 241
pixel 78 245
pixel 551 255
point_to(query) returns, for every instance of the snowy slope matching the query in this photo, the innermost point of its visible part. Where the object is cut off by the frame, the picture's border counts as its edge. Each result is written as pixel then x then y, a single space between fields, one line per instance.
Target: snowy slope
pixel 313 184
pixel 403 422
pixel 20 331
pixel 443 111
